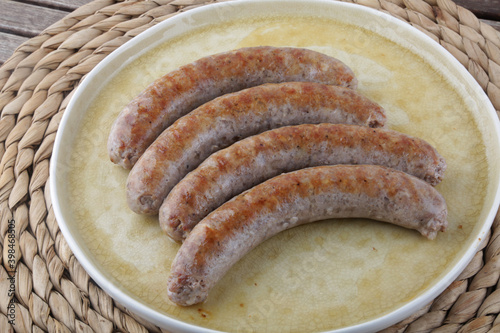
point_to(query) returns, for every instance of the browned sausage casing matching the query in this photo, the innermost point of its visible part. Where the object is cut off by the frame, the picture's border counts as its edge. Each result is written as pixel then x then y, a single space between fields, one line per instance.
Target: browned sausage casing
pixel 229 118
pixel 291 199
pixel 186 88
pixel 248 162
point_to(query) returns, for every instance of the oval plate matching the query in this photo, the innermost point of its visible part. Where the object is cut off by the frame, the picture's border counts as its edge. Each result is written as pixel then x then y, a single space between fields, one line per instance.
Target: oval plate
pixel 343 275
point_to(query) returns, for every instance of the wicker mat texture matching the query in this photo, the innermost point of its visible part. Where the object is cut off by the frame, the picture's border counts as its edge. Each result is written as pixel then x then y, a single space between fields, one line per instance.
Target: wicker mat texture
pixel 52 291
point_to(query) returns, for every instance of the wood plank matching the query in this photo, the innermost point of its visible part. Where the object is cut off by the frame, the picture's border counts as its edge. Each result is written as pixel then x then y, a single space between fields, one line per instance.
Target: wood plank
pixel 27 20
pixel 67 5
pixel 485 9
pixel 9 44
pixel 494 24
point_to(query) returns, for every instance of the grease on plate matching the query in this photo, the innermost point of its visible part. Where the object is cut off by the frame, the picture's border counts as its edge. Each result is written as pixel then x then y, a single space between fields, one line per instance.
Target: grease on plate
pixel 316 277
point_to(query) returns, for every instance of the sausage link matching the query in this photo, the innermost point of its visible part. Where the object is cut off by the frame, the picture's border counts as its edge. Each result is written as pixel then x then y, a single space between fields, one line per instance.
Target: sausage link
pixel 186 88
pixel 229 118
pixel 291 199
pixel 249 162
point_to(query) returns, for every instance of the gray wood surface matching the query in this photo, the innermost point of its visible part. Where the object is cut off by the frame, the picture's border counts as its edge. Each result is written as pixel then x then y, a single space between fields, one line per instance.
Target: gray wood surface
pixel 27 20
pixel 67 5
pixel 484 9
pixel 494 24
pixel 8 43
pixel 23 19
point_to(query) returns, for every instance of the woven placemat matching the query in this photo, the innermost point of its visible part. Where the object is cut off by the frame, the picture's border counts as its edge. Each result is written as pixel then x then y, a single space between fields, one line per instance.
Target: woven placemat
pixel 42 283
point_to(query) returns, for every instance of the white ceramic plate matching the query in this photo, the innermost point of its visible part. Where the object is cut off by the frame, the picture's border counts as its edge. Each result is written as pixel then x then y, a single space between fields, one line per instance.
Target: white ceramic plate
pixel 345 275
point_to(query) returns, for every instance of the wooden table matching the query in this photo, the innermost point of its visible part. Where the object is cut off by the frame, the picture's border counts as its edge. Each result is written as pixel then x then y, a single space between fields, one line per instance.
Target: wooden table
pixel 21 20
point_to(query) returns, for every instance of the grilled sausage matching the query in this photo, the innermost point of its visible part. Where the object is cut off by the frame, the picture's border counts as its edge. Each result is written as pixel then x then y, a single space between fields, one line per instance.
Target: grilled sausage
pixel 249 162
pixel 225 120
pixel 186 88
pixel 291 199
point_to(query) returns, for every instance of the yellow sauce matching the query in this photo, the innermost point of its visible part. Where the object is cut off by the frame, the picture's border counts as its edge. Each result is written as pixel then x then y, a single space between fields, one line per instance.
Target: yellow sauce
pixel 316 277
